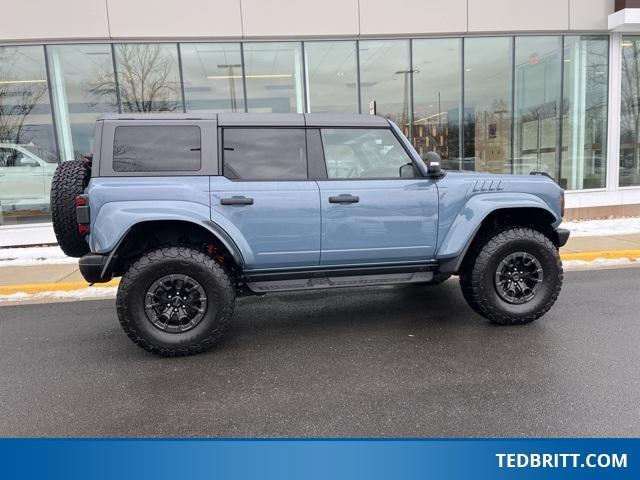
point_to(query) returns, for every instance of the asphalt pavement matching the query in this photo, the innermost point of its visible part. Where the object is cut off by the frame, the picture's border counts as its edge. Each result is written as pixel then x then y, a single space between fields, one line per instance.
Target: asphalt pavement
pixel 392 361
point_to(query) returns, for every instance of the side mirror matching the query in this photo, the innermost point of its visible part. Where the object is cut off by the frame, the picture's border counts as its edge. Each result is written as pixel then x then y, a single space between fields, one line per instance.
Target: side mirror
pixel 433 160
pixel 408 170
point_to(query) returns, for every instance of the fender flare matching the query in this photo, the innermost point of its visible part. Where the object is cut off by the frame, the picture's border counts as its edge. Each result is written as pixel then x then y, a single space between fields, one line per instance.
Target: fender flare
pixel 454 246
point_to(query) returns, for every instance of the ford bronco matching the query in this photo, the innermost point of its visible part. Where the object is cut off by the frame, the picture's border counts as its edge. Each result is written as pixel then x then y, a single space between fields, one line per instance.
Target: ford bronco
pixel 194 210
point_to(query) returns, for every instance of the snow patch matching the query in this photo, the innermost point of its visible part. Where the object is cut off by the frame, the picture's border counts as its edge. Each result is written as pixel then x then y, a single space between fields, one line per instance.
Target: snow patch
pixel 600 228
pixel 79 294
pixel 19 257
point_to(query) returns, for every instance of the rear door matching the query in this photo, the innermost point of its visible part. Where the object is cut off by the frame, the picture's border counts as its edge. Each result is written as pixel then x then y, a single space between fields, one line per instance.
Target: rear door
pixel 265 195
pixel 375 207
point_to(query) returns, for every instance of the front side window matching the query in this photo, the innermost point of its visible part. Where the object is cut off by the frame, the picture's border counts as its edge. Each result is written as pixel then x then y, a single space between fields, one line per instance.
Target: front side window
pixel 364 153
pixel 158 148
pixel 264 153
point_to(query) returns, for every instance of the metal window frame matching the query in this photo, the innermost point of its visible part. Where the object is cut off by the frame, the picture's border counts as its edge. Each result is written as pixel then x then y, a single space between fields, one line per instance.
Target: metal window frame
pixel 54 122
pixel 614 81
pixel 614 112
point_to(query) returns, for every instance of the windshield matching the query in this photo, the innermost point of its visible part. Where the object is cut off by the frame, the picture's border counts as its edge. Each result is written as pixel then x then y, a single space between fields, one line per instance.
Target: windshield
pixel 41 153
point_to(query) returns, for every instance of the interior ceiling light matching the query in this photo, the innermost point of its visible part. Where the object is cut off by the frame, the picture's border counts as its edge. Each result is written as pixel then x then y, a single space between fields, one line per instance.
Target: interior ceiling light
pixel 421 120
pixel 11 82
pixel 627 44
pixel 272 75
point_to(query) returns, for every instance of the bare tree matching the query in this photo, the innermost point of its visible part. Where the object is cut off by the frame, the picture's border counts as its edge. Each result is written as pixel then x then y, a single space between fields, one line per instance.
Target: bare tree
pixel 17 99
pixel 145 77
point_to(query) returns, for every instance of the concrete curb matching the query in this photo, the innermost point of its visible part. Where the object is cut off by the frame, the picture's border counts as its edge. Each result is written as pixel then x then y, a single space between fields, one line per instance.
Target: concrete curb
pixel 34 288
pixel 590 256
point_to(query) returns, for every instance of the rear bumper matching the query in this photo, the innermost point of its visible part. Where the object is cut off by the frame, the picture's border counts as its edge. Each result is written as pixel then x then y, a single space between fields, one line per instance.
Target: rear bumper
pixel 94 268
pixel 563 236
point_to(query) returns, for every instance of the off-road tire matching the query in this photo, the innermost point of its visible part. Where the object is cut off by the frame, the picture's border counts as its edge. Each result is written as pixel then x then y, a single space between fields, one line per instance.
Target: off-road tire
pixel 478 273
pixel 69 180
pixel 175 260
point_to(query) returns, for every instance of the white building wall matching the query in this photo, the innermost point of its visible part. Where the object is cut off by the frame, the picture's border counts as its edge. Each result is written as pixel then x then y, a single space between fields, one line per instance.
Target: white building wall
pixel 286 18
pixel 42 20
pixel 518 15
pixel 27 20
pixel 589 14
pixel 384 17
pixel 151 19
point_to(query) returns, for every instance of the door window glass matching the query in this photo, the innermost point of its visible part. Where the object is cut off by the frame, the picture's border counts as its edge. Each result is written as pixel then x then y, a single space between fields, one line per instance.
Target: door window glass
pixel 156 149
pixel 363 153
pixel 265 153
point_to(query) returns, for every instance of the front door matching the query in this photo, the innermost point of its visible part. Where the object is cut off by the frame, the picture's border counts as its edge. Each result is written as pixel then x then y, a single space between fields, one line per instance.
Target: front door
pixel 264 197
pixel 371 211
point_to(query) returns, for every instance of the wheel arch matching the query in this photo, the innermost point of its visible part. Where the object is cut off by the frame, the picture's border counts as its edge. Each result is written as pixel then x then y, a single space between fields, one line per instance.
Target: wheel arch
pixel 148 234
pixel 463 234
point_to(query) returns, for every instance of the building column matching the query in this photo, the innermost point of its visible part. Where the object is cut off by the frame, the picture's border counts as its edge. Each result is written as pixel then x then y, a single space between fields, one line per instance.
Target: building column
pixel 60 107
pixel 613 114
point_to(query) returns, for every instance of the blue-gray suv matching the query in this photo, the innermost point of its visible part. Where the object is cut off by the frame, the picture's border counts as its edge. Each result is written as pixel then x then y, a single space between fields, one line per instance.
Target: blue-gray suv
pixel 194 210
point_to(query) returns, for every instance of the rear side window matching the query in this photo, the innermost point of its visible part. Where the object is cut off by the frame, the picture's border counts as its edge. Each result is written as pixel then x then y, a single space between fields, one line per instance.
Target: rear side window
pixel 157 148
pixel 264 154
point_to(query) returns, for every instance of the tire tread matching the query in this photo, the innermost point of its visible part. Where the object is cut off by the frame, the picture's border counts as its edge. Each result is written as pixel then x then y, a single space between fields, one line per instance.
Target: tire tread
pixel 472 275
pixel 174 253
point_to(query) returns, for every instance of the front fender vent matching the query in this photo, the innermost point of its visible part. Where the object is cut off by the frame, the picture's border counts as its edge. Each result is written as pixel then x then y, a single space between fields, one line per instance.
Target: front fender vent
pixel 488 186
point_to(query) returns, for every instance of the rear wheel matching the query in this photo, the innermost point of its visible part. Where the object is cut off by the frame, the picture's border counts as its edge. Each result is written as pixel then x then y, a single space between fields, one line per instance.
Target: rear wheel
pixel 69 181
pixel 512 277
pixel 175 301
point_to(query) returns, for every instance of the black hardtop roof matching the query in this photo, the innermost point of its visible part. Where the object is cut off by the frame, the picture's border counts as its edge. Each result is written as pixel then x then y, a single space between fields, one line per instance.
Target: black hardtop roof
pixel 263 119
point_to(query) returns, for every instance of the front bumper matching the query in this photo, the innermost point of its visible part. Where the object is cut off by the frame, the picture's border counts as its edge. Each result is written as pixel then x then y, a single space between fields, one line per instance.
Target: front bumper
pixel 95 268
pixel 563 236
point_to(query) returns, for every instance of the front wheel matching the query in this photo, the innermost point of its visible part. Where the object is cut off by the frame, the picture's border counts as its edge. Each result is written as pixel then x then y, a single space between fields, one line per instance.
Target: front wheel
pixel 175 301
pixel 513 277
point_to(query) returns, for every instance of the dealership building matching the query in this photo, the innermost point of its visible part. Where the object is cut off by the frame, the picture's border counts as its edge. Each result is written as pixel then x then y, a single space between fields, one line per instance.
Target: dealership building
pixel 504 86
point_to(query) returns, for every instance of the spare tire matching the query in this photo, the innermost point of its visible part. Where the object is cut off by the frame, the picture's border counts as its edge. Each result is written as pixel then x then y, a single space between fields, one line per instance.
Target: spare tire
pixel 69 181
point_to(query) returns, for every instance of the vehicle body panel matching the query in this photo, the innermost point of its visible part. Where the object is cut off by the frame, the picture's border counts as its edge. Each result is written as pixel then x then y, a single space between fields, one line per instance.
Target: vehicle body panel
pixel 281 228
pixel 393 220
pixel 116 204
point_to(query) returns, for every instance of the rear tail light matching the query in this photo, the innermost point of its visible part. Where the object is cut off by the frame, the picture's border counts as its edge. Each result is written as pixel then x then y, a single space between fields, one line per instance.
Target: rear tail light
pixel 562 204
pixel 82 214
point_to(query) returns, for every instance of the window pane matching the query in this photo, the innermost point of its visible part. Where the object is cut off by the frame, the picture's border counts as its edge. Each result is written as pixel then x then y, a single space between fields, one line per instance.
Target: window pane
pixel 156 149
pixel 487 104
pixel 26 130
pixel 384 77
pixel 148 77
pixel 331 76
pixel 362 153
pixel 274 77
pixel 537 105
pixel 212 74
pixel 584 129
pixel 83 87
pixel 265 154
pixel 437 93
pixel 630 113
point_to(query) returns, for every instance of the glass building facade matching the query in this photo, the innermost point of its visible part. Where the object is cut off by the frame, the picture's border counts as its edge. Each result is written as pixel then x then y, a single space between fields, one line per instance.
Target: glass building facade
pixel 501 104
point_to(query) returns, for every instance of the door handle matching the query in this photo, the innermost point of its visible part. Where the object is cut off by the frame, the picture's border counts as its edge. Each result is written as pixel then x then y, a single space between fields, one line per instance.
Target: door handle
pixel 236 201
pixel 344 198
